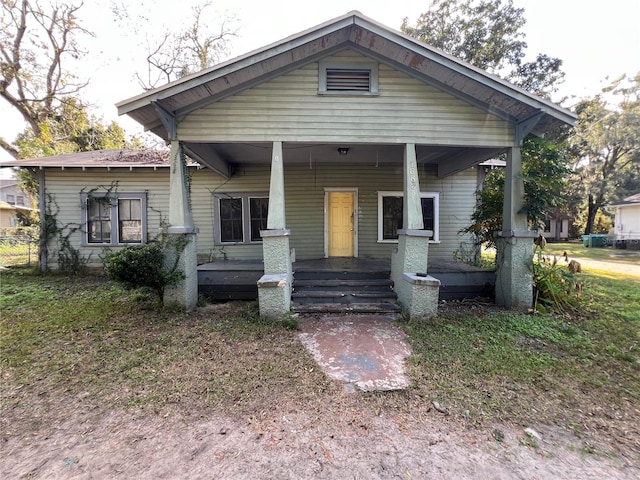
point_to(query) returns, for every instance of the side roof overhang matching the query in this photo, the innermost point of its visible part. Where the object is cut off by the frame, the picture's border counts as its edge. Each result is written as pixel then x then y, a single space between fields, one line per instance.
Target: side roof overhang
pixel 159 109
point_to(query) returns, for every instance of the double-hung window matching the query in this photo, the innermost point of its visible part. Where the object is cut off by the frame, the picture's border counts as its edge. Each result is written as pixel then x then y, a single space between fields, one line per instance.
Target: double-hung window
pixel 390 213
pixel 239 217
pixel 114 218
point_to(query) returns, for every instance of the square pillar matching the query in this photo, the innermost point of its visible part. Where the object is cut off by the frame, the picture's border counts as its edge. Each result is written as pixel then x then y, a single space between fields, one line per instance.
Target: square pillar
pixel 514 269
pixel 417 293
pixel 274 287
pixel 180 252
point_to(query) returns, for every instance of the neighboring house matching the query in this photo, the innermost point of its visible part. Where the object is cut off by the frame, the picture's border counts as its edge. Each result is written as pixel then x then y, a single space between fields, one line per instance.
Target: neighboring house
pixel 12 200
pixel 11 193
pixel 348 140
pixel 627 221
pixel 556 227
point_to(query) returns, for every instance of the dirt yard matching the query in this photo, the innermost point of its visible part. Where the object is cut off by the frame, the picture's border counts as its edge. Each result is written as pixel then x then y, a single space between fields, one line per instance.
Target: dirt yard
pixel 76 438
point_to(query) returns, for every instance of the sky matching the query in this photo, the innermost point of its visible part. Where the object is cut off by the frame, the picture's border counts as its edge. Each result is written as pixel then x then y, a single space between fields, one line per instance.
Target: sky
pixel 595 39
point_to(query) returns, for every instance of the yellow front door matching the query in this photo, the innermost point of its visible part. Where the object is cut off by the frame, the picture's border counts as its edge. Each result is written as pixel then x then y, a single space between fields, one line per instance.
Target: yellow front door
pixel 341 213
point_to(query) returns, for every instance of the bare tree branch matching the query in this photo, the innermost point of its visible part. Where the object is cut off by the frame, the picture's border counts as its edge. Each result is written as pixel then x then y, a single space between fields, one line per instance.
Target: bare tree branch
pixel 34 43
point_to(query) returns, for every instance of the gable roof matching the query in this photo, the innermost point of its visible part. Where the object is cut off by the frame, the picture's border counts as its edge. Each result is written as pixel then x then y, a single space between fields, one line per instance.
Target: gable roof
pixel 113 158
pixel 357 32
pixel 632 200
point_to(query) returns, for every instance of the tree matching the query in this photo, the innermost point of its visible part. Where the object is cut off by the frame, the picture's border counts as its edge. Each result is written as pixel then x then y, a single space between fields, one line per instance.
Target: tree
pixel 198 47
pixel 606 145
pixel 34 43
pixel 72 130
pixel 545 169
pixel 487 34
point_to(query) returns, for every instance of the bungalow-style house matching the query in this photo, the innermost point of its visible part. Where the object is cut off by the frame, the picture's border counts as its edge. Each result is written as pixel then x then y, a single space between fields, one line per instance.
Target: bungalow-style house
pixel 349 142
pixel 626 223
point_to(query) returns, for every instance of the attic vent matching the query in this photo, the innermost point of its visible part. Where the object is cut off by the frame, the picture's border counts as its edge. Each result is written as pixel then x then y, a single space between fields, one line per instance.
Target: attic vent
pixel 348 80
pixel 358 77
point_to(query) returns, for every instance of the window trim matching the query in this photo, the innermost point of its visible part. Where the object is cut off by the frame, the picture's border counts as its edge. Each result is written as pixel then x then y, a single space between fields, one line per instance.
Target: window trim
pixel 371 66
pixel 114 217
pixel 436 214
pixel 246 216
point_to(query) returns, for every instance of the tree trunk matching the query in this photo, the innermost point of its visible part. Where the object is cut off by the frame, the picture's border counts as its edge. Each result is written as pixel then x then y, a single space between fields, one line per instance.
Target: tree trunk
pixel 591 215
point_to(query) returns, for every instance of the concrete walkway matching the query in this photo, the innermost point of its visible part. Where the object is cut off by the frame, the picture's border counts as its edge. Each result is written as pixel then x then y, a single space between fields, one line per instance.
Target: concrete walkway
pixel 368 351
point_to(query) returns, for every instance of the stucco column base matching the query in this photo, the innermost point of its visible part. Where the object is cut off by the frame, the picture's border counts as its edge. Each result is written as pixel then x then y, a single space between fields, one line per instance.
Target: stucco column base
pixel 409 262
pixel 274 295
pixel 514 269
pixel 274 288
pixel 419 295
pixel 181 254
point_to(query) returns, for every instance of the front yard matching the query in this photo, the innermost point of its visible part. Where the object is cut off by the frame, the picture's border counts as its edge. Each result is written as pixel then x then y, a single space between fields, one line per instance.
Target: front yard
pixel 83 346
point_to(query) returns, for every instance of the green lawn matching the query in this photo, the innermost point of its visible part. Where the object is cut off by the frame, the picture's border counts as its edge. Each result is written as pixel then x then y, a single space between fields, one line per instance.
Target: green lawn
pixel 82 337
pixel 607 254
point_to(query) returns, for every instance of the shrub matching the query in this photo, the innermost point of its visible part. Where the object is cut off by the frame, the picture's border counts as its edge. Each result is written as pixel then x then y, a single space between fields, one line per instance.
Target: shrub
pixel 140 266
pixel 555 288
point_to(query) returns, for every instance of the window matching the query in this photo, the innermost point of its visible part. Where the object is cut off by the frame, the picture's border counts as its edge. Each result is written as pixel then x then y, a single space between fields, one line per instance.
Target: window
pixel 11 199
pixel 114 218
pixel 390 209
pixel 348 78
pixel 240 217
pixel 20 200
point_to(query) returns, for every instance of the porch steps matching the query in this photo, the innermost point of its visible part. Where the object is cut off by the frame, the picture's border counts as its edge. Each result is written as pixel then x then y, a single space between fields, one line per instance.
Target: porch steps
pixel 343 292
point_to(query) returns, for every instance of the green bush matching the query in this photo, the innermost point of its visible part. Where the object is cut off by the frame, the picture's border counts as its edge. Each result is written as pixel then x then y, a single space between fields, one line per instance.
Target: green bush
pixel 140 266
pixel 555 288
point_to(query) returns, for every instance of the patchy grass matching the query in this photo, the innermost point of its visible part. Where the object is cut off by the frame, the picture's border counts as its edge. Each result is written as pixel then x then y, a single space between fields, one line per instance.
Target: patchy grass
pixel 70 343
pixel 578 371
pixel 606 254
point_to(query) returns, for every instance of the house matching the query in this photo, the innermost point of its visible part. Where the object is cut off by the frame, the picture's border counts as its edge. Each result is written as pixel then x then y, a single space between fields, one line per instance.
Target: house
pixel 346 141
pixel 556 227
pixel 626 222
pixel 12 201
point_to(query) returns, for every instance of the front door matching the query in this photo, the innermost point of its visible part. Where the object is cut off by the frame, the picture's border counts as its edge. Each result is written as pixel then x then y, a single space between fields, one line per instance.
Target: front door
pixel 340 224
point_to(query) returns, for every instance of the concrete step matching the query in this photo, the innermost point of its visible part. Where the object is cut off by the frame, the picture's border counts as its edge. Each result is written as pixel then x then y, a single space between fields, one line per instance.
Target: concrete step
pixel 373 308
pixel 340 283
pixel 327 275
pixel 322 296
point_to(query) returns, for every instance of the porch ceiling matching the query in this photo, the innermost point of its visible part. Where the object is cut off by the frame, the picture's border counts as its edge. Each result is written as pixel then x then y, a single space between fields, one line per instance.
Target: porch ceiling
pixel 445 160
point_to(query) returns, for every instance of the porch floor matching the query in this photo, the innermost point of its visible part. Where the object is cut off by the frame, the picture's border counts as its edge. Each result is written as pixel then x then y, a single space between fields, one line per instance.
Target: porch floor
pixel 236 279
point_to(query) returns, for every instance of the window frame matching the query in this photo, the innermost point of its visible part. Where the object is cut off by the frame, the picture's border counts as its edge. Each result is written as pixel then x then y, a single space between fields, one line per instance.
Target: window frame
pixel 114 217
pixel 361 65
pixel 246 198
pixel 436 214
pixel 10 198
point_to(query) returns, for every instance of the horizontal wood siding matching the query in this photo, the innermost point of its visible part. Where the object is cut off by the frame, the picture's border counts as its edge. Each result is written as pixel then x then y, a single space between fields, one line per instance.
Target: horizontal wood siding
pixel 289 108
pixel 64 188
pixel 304 197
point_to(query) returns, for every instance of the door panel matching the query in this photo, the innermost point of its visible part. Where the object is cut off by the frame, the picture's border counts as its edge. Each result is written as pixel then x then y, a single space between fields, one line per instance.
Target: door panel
pixel 340 224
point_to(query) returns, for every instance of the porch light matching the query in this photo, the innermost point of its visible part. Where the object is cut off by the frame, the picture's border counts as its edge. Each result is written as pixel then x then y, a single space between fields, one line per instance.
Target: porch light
pixel 343 150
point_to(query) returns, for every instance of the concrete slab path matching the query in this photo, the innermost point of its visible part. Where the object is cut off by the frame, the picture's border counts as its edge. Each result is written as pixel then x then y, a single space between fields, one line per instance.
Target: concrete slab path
pixel 368 351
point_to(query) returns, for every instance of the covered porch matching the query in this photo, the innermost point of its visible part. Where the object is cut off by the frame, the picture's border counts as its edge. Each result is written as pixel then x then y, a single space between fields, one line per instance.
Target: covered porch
pixel 237 279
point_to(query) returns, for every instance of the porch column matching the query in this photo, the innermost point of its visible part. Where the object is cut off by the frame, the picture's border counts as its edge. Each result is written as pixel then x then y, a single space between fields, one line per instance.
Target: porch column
pixel 180 248
pixel 274 288
pixel 417 292
pixel 514 244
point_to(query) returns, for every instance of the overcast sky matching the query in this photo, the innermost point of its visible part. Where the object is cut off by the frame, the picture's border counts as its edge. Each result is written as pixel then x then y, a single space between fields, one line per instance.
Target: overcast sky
pixel 595 39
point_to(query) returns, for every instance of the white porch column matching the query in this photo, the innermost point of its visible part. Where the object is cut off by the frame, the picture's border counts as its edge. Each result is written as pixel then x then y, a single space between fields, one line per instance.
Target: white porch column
pixel 274 288
pixel 514 244
pixel 180 249
pixel 417 292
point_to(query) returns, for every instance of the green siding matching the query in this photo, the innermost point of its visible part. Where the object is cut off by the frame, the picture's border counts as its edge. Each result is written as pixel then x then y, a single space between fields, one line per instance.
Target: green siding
pixel 288 108
pixel 304 188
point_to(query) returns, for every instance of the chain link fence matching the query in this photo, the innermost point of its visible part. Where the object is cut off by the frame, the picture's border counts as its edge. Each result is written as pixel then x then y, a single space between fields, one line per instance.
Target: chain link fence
pixel 18 251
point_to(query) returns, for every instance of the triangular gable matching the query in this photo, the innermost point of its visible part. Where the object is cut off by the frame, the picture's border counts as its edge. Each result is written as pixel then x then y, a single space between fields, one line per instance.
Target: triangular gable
pixel 355 31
